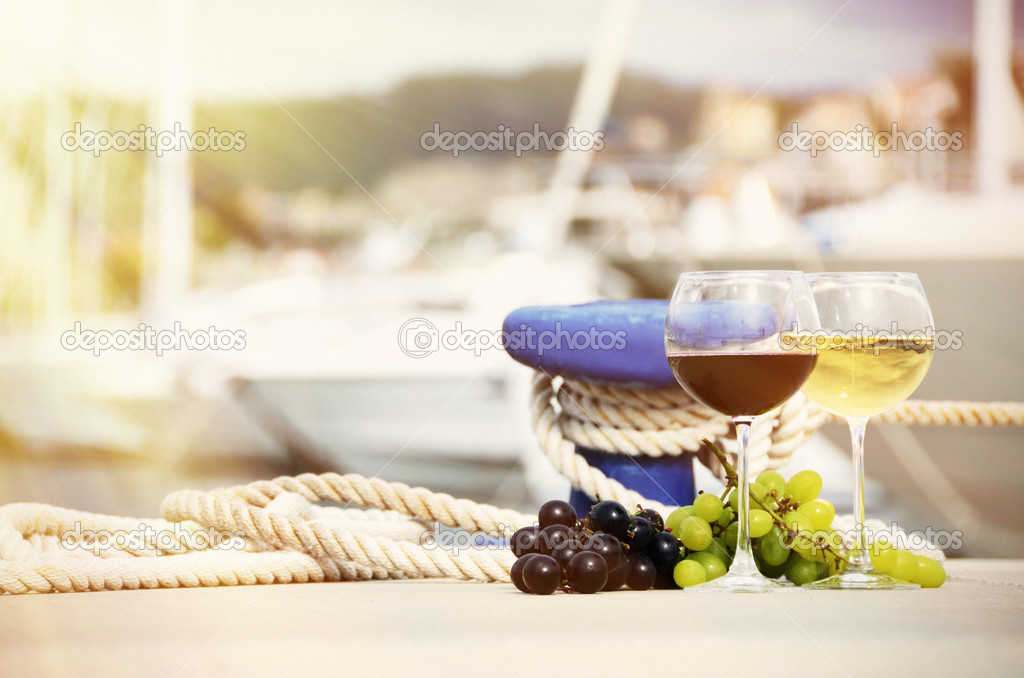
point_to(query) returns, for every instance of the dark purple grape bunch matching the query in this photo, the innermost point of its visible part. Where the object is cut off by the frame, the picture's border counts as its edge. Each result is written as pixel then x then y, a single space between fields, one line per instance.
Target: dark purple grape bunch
pixel 604 551
pixel 657 549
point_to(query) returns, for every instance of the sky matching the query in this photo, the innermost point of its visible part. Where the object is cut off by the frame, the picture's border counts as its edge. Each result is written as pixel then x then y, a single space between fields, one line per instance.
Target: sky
pixel 320 48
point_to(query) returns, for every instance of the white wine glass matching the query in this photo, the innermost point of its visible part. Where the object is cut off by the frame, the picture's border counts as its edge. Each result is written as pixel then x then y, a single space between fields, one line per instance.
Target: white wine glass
pixel 874 349
pixel 724 343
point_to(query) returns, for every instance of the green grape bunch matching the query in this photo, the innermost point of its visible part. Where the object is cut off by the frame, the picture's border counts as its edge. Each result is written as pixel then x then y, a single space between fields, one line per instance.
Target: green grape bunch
pixel 791 530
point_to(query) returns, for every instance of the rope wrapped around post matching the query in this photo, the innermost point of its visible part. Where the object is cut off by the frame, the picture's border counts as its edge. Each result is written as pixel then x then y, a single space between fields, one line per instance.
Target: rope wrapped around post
pixel 668 421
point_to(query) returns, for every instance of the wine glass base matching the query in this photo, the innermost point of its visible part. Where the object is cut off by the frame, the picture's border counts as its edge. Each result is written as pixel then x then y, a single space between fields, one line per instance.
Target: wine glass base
pixel 742 583
pixel 866 581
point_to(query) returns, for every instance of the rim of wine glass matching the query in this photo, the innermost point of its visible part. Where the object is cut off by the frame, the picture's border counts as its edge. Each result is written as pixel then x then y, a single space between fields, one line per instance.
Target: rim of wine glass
pixel 865 275
pixel 744 273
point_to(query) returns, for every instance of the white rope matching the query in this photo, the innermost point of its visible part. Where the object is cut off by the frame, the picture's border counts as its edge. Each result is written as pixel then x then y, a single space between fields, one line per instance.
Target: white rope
pixel 668 422
pixel 262 533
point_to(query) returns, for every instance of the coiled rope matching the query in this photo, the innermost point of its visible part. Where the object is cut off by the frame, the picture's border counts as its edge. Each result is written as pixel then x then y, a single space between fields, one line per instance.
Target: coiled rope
pixel 274 532
pixel 668 421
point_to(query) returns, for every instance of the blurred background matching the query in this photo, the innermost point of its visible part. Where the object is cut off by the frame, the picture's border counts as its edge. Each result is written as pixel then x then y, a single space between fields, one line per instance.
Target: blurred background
pixel 269 172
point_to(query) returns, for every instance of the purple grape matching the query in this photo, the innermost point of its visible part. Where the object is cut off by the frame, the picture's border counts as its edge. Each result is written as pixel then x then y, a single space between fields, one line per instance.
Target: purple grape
pixel 638 535
pixel 587 572
pixel 606 546
pixel 642 573
pixel 665 580
pixel 617 577
pixel 553 536
pixel 664 551
pixel 556 512
pixel 542 575
pixel 653 517
pixel 564 552
pixel 525 541
pixel 517 572
pixel 608 516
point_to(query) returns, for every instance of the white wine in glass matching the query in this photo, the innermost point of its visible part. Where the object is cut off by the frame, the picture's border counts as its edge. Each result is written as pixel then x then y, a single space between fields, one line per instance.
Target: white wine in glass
pixel 874 349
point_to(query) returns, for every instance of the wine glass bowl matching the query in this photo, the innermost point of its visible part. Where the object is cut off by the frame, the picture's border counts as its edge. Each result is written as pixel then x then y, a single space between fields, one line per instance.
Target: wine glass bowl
pixel 728 341
pixel 876 340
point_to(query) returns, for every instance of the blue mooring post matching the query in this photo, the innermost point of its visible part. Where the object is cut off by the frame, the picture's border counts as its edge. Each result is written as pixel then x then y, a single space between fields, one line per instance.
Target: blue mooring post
pixel 668 480
pixel 621 343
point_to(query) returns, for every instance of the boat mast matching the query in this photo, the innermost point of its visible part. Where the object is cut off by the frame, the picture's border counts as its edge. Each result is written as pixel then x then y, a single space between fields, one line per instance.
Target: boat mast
pixel 589 110
pixel 994 95
pixel 167 233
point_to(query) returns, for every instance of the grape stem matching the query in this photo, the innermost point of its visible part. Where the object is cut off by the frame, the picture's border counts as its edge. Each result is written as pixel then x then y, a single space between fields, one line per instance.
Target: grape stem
pixel 786 503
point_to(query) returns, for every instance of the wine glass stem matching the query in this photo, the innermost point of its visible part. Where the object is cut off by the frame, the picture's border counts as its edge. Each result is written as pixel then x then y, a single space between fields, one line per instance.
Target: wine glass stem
pixel 743 562
pixel 861 561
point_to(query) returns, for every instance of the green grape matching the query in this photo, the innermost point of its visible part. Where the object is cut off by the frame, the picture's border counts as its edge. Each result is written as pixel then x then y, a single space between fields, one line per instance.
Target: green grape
pixel 826 542
pixel 772 547
pixel 801 571
pixel 930 574
pixel 728 516
pixel 695 533
pixel 804 541
pixel 805 518
pixel 798 522
pixel 770 571
pixel 883 556
pixel 731 536
pixel 714 567
pixel 820 512
pixel 718 549
pixel 755 490
pixel 809 551
pixel 675 519
pixel 760 523
pixel 821 572
pixel 905 568
pixel 804 486
pixel 689 573
pixel 708 506
pixel 771 480
pixel 836 565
